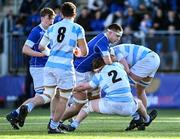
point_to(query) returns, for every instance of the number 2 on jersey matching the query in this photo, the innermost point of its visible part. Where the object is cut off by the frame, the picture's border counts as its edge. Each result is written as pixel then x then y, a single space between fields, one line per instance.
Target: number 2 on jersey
pixel 113 73
pixel 61 34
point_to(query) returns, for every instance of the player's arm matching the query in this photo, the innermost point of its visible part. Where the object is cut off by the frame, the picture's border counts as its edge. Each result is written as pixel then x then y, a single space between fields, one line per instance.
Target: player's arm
pixel 104 50
pixel 125 64
pixel 107 59
pixel 43 45
pixel 82 87
pixel 30 52
pixel 94 83
pixel 113 58
pixel 82 45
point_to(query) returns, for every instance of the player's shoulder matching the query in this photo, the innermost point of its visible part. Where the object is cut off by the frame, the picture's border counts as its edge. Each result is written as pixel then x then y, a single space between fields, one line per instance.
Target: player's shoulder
pixel 78 25
pixel 101 36
pixel 119 65
pixel 36 31
pixel 125 45
pixel 113 66
pixel 36 28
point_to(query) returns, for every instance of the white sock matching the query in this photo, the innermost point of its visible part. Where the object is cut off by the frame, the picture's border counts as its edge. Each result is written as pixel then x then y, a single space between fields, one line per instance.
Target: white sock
pixel 75 124
pixel 147 119
pixel 54 124
pixel 30 106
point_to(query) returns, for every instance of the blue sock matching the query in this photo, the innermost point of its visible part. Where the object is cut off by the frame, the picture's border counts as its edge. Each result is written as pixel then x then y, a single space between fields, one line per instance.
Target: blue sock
pixel 75 124
pixel 17 110
pixel 14 113
pixel 54 124
pixel 30 106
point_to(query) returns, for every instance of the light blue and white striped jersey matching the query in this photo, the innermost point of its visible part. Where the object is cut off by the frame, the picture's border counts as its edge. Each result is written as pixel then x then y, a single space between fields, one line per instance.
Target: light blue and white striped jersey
pixel 33 41
pixel 63 38
pixel 113 81
pixel 131 52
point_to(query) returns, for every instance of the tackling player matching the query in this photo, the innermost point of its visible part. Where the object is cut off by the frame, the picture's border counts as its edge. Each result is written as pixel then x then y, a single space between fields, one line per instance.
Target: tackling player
pixel 99 46
pixel 140 63
pixel 113 82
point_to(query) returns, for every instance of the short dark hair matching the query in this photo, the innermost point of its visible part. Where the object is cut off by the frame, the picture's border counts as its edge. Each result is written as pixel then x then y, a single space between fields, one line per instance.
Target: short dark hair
pixel 97 63
pixel 68 9
pixel 115 27
pixel 47 11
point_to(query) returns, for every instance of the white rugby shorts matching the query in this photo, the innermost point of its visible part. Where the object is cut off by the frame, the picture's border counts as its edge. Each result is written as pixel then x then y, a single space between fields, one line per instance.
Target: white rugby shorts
pixel 37 76
pixel 147 66
pixel 57 77
pixel 120 108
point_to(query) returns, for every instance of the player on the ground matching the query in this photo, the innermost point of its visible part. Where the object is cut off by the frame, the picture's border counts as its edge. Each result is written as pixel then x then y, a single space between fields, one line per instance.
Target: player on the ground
pixel 99 46
pixel 140 63
pixel 63 37
pixel 37 63
pixel 118 99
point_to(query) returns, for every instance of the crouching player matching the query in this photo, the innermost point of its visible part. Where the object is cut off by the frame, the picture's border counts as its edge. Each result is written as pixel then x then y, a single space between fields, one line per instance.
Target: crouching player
pixel 113 81
pixel 141 64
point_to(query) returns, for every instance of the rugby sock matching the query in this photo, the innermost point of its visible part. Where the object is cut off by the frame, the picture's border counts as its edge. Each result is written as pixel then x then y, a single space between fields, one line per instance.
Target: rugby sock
pixel 14 113
pixel 17 111
pixel 54 124
pixel 30 106
pixel 75 124
pixel 147 119
pixel 136 116
pixel 60 123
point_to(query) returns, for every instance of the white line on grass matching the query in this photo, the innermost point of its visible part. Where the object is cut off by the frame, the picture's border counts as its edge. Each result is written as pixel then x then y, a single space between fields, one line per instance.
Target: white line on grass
pixel 159 121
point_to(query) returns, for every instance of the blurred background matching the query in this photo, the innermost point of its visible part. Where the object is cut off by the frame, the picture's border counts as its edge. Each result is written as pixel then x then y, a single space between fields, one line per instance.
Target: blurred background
pixel 152 23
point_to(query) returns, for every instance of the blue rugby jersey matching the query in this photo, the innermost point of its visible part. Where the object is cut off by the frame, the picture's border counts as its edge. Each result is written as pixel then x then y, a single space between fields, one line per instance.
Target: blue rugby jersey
pixel 98 47
pixel 33 41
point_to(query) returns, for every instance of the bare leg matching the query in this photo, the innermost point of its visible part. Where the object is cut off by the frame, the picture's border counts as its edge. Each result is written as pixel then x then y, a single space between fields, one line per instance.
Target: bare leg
pixel 71 111
pixel 94 104
pixel 141 94
pixel 53 103
pixel 60 109
pixel 141 91
pixel 135 77
pixel 91 106
pixel 142 109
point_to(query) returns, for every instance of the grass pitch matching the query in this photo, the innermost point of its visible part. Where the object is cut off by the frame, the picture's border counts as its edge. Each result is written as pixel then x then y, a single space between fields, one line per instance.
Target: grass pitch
pixel 96 126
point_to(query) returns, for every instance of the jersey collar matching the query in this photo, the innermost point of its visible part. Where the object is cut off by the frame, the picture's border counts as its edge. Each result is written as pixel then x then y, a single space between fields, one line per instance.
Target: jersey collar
pixel 40 25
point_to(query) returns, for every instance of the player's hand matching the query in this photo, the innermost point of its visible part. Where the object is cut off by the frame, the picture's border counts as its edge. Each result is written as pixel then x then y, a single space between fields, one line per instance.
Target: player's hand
pixel 42 55
pixel 77 52
pixel 46 51
pixel 80 87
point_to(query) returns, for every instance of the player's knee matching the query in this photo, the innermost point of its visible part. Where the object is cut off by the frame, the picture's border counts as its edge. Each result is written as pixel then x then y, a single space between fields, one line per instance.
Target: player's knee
pixel 80 98
pixel 47 94
pixel 87 108
pixel 132 81
pixel 65 93
pixel 144 84
pixel 79 101
pixel 57 94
